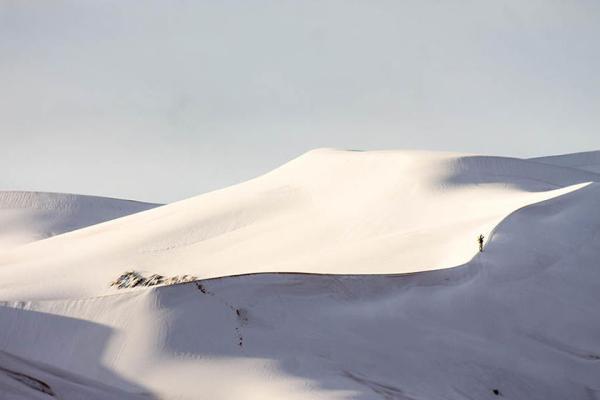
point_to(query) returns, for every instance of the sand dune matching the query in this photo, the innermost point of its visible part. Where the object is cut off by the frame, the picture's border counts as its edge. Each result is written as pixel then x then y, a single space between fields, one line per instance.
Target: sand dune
pixel 362 281
pixel 29 216
pixel 586 161
pixel 327 211
pixel 22 379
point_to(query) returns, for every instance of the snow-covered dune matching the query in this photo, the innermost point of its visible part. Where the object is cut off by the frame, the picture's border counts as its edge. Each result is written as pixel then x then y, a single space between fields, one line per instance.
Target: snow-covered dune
pixel 587 161
pixel 518 321
pixel 29 216
pixel 25 380
pixel 327 211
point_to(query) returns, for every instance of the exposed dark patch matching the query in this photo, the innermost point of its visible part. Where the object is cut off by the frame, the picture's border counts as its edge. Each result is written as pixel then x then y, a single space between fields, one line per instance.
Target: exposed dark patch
pixel 496 392
pixel 387 392
pixel 242 315
pixel 239 337
pixel 131 279
pixel 242 319
pixel 29 381
pixel 201 287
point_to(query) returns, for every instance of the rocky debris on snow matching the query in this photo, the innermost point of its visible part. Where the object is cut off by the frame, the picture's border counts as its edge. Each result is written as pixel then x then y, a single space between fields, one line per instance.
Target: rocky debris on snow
pixel 154 279
pixel 132 279
pixel 180 279
pixel 201 287
pixel 128 279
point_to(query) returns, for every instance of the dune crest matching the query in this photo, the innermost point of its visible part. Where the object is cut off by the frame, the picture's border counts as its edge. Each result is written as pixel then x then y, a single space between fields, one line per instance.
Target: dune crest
pixel 26 217
pixel 339 275
pixel 328 211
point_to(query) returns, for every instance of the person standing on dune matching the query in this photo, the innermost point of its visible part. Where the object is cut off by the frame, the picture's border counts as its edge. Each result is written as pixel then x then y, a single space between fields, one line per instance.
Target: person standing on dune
pixel 480 241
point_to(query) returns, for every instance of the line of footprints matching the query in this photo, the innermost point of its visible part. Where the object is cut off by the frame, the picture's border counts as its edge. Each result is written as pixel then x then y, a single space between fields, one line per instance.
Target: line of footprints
pixel 241 314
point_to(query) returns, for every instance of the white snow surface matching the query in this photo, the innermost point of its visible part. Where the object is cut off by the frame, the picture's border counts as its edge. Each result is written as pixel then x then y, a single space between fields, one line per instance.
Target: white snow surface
pixel 29 216
pixel 588 161
pixel 340 275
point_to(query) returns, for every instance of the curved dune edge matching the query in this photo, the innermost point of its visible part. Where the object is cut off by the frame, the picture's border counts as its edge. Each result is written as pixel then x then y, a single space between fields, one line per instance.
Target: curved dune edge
pixel 585 161
pixel 517 321
pixel 326 212
pixel 482 327
pixel 26 216
pixel 473 261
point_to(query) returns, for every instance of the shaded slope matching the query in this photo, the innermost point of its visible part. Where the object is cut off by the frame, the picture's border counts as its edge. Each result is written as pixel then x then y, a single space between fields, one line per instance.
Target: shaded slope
pixel 25 380
pixel 29 216
pixel 586 161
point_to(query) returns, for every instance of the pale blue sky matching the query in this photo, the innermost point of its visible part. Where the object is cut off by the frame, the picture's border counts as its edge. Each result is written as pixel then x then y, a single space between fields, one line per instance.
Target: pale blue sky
pixel 163 100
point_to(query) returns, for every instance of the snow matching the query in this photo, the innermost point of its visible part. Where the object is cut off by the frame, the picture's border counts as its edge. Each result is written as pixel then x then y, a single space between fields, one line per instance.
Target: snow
pixel 327 211
pixel 29 216
pixel 587 161
pixel 23 380
pixel 340 275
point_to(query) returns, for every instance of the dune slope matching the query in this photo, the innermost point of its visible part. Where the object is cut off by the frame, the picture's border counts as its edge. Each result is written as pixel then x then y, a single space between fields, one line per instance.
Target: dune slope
pixel 25 380
pixel 327 211
pixel 586 161
pixel 517 321
pixel 29 216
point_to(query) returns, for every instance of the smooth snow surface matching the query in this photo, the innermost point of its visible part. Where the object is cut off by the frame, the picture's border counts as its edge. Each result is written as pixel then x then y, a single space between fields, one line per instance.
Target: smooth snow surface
pixel 587 161
pixel 29 216
pixel 398 302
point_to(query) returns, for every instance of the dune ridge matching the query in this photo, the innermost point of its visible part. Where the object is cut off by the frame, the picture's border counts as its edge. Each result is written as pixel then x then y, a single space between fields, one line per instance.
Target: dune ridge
pixel 354 298
pixel 26 217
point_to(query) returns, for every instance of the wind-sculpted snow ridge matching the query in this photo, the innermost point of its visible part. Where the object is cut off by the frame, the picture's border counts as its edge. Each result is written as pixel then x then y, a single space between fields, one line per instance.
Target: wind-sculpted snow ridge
pixel 29 216
pixel 330 306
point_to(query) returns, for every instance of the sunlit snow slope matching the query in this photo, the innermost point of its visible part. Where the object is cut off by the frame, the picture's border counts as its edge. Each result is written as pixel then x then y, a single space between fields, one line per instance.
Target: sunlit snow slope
pixel 29 216
pixel 327 211
pixel 518 321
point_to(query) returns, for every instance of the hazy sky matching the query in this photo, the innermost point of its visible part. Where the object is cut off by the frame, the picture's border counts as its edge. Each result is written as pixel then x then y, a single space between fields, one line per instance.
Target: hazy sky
pixel 162 100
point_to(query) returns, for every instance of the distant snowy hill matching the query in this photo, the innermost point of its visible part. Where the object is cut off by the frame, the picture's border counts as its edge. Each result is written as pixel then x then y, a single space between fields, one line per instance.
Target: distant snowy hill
pixel 29 216
pixel 587 161
pixel 340 275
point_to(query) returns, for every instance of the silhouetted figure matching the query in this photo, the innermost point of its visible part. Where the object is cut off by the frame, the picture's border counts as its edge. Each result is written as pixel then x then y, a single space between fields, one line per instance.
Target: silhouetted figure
pixel 480 241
